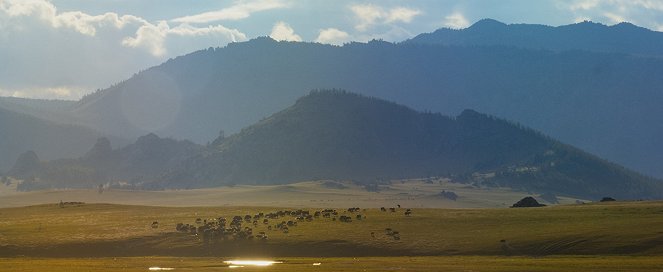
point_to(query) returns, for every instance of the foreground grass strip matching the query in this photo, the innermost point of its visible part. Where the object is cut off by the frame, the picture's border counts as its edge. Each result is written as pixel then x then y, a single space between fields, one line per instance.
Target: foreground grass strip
pixel 449 263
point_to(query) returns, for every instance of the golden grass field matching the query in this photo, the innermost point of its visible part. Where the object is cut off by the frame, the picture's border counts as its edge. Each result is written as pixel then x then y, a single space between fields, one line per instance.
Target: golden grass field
pixel 102 229
pixel 612 236
pixel 618 236
pixel 411 193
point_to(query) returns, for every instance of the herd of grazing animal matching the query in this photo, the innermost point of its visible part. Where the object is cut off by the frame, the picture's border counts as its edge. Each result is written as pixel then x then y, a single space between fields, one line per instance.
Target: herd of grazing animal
pixel 242 227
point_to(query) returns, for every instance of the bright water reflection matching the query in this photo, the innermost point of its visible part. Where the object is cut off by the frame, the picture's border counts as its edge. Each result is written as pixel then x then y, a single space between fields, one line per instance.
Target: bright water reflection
pixel 242 263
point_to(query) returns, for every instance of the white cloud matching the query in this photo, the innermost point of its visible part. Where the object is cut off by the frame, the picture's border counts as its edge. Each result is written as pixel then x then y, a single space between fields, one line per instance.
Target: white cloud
pixel 240 10
pixel 641 12
pixel 333 36
pixel 629 4
pixel 86 24
pixel 456 20
pixel 369 15
pixel 153 37
pixel 649 4
pixel 14 8
pixel 233 35
pixel 658 27
pixel 401 14
pixel 149 37
pixel 59 92
pixel 614 17
pixel 283 32
pixel 45 52
pixel 615 5
pixel 581 19
pixel 81 22
pixel 583 4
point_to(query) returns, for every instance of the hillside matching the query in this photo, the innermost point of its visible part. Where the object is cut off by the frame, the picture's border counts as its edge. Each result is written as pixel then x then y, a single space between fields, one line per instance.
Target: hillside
pixel 605 103
pixel 21 132
pixel 588 36
pixel 39 107
pixel 343 136
pixel 127 167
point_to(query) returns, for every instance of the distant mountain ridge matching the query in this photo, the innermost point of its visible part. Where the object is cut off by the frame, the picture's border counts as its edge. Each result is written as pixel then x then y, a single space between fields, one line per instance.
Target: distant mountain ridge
pixel 605 103
pixel 588 36
pixel 602 97
pixel 128 167
pixel 343 136
pixel 22 132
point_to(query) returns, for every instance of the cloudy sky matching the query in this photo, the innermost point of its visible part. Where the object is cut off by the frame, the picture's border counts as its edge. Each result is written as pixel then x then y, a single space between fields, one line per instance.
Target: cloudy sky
pixel 66 48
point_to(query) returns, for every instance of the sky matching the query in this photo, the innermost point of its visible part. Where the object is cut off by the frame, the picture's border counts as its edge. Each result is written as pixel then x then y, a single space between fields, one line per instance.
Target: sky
pixel 64 49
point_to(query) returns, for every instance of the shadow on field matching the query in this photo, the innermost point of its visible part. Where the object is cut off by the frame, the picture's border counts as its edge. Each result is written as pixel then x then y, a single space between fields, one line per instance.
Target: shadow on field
pixel 178 245
pixel 585 245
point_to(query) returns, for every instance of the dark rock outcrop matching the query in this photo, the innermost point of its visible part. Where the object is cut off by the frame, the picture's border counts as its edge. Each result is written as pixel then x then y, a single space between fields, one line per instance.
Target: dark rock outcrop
pixel 527 202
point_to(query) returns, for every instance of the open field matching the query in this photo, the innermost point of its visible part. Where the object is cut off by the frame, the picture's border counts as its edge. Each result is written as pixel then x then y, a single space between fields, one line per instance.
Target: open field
pixel 611 236
pixel 411 193
pixel 104 230
pixel 616 236
pixel 442 263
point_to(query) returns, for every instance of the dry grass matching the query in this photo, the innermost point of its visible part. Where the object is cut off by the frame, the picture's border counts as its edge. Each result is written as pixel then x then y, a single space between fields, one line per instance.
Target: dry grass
pixel 411 193
pixel 444 263
pixel 606 228
pixel 597 237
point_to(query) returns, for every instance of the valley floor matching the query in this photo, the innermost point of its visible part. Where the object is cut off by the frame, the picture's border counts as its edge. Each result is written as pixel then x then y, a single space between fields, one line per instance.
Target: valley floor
pixel 320 194
pixel 610 236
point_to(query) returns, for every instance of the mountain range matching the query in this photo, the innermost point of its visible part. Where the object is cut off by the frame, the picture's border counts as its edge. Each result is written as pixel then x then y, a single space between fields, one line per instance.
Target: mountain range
pixel 607 103
pixel 589 85
pixel 343 136
pixel 586 36
pixel 20 132
pixel 143 161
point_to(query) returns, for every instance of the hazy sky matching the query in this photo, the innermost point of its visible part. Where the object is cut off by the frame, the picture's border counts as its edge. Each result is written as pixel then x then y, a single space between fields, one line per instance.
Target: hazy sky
pixel 67 48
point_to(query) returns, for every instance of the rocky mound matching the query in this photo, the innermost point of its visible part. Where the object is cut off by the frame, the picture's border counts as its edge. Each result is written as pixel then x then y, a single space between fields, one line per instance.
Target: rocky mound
pixel 527 202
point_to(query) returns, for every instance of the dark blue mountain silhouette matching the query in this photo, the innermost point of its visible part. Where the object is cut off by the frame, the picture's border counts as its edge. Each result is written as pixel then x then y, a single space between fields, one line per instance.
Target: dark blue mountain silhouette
pixel 605 103
pixel 344 136
pixel 588 36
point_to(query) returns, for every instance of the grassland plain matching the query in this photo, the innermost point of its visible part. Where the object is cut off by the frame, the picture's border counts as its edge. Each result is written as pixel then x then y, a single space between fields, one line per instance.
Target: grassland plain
pixel 311 194
pixel 106 230
pixel 615 236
